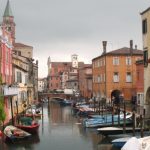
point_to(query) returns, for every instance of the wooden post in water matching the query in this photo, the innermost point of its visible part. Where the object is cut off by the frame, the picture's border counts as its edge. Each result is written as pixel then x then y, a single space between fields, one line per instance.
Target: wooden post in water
pixel 102 109
pixel 12 114
pixel 94 103
pixel 124 120
pixel 144 117
pixel 42 120
pixel 118 108
pixel 99 107
pixel 133 117
pixel 141 125
pixel 17 111
pixel 112 112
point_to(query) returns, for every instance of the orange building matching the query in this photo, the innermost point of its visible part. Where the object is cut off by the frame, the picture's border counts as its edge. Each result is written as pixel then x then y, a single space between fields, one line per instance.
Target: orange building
pixel 114 73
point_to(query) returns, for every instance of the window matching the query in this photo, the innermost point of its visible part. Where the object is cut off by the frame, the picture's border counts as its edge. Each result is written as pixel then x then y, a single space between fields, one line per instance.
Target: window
pixel 99 79
pixel 19 77
pixel 115 61
pixel 116 77
pixel 128 60
pixel 140 99
pixel 128 77
pixel 19 53
pixel 104 77
pixel 138 75
pixel 26 79
pixel 144 26
pixel 145 58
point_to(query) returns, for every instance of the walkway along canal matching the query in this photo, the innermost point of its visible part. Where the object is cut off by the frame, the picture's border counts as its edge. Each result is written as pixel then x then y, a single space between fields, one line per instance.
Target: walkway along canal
pixel 60 130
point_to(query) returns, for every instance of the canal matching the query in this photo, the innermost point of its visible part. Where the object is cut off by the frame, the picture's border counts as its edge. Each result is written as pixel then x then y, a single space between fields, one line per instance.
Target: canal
pixel 61 130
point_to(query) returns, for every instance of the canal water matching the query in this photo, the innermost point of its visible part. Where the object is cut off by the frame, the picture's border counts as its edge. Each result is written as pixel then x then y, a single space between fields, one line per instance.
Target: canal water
pixel 61 130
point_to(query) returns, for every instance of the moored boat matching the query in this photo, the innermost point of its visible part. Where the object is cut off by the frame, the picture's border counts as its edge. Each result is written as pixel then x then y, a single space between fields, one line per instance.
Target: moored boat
pixel 107 121
pixel 130 143
pixel 116 130
pixel 14 134
pixel 28 124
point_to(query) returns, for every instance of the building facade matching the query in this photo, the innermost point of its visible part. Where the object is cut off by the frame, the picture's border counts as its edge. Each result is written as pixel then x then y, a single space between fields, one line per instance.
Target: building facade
pixel 140 84
pixel 85 81
pixel 145 15
pixel 6 46
pixel 64 75
pixel 114 73
pixel 17 68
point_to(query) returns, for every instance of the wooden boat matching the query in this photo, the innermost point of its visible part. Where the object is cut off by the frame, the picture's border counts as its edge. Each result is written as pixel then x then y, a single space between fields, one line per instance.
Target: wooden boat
pixel 116 130
pixel 15 134
pixel 28 124
pixel 107 121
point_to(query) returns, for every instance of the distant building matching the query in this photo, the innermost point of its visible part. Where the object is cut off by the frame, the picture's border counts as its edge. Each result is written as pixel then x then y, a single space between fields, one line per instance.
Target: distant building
pixel 62 75
pixel 85 81
pixel 40 85
pixel 114 73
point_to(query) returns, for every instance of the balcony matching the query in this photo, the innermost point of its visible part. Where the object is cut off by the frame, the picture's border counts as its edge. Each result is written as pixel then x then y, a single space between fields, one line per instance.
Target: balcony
pixel 10 91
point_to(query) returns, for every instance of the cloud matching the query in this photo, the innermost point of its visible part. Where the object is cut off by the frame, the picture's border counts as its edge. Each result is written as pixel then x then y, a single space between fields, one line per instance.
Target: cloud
pixel 60 28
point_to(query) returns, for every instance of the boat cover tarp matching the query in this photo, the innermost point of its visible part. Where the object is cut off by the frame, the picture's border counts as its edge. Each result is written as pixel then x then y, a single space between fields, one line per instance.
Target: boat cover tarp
pixel 132 144
pixel 26 120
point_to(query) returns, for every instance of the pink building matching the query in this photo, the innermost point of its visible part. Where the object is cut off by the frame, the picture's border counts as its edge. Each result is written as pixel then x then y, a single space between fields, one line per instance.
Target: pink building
pixel 7 30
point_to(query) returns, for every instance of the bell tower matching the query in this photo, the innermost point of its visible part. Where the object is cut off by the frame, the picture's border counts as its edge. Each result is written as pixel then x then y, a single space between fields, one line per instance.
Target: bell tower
pixel 74 59
pixel 8 21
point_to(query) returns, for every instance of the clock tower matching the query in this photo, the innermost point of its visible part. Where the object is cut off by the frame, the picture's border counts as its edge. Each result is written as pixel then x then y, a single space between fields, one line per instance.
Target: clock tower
pixel 8 23
pixel 74 58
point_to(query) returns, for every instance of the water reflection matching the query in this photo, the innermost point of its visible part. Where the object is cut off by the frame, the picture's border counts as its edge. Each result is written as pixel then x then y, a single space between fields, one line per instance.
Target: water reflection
pixel 60 130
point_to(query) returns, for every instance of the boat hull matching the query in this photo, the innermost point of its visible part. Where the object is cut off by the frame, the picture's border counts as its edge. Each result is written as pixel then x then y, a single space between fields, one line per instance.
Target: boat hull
pixel 15 134
pixel 31 129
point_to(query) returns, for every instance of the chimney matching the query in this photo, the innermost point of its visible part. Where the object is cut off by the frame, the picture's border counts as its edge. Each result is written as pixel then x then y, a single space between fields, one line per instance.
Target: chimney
pixel 104 46
pixel 131 46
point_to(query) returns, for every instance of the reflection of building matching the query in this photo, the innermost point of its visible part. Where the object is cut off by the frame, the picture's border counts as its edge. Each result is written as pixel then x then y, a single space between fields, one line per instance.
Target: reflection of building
pixel 146 47
pixel 85 81
pixel 115 72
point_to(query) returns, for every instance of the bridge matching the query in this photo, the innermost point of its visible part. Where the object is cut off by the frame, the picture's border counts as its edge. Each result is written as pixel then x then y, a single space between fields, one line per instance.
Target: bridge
pixel 51 96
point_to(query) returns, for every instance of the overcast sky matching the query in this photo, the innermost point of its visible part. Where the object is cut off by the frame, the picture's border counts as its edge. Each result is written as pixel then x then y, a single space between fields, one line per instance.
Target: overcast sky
pixel 60 28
